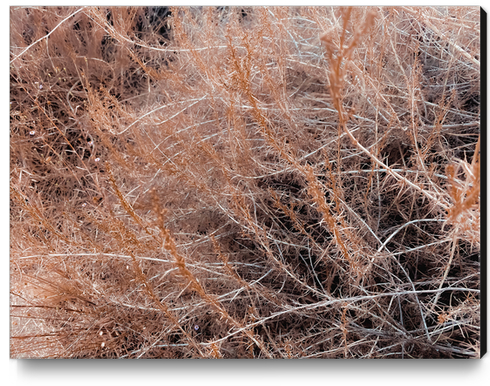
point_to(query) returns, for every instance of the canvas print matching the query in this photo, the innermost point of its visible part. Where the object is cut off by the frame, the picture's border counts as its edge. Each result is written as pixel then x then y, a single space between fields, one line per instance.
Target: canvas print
pixel 245 182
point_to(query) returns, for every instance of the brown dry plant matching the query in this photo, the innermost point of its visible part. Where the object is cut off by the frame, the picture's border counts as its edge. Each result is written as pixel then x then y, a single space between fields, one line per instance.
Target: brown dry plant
pixel 260 182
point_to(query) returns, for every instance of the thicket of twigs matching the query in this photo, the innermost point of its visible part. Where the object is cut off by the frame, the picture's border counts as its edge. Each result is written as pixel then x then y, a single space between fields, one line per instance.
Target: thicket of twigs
pixel 245 182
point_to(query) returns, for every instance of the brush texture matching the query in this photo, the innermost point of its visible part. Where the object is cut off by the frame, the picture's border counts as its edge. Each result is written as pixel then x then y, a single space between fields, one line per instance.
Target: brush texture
pixel 224 182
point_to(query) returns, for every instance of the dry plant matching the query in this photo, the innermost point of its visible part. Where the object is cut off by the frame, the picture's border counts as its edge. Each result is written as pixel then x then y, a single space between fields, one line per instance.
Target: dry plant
pixel 263 182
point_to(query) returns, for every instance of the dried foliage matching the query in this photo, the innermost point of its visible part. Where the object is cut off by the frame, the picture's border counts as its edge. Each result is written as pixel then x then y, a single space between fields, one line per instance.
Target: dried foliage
pixel 222 182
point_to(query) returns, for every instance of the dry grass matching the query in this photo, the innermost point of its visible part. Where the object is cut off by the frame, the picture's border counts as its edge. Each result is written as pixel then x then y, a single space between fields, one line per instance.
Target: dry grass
pixel 245 183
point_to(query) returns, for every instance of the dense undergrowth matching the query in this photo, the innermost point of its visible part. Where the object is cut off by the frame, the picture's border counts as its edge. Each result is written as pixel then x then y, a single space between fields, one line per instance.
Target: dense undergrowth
pixel 245 182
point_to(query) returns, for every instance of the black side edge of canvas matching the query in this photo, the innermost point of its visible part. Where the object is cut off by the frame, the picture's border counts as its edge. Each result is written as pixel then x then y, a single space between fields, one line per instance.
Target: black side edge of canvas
pixel 483 131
